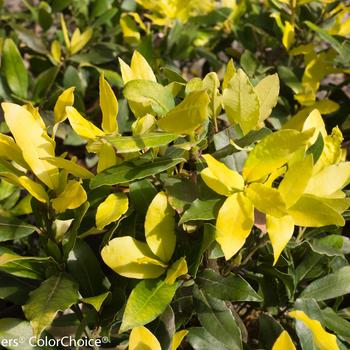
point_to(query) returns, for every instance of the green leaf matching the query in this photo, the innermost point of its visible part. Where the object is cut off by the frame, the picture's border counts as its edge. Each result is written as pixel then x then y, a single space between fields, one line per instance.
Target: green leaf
pixel 232 287
pixel 15 70
pixel 32 41
pixel 217 319
pixel 12 228
pixel 146 302
pixel 241 103
pixel 141 194
pixel 129 171
pixel 85 268
pixel 44 83
pixel 57 293
pixel 336 323
pixel 331 245
pixel 97 300
pixel 14 329
pixel 331 286
pixel 269 330
pixel 188 115
pixel 149 94
pixel 202 210
pixel 200 339
pixel 23 266
pixel 125 144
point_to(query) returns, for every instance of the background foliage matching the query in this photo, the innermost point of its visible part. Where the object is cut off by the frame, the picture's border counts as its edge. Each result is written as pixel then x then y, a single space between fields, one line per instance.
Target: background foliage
pixel 114 224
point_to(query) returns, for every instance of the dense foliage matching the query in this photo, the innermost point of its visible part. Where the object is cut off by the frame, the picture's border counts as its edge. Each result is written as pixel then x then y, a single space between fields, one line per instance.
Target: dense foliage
pixel 174 173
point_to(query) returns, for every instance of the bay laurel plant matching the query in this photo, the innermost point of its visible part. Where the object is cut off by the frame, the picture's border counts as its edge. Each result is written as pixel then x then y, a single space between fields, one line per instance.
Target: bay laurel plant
pixel 201 227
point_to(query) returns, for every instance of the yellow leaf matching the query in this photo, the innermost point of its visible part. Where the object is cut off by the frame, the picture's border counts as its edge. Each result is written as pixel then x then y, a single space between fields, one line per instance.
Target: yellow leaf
pixel 109 107
pixel 70 166
pixel 225 181
pixel 315 121
pixel 187 115
pixel 323 106
pixel 10 151
pixel 338 204
pixel 177 269
pixel 34 111
pixel 280 232
pixel 79 41
pixel 124 256
pixel 111 209
pixel 72 197
pixel 241 103
pixel 141 68
pixel 142 339
pixel 288 35
pixel 323 339
pixel 230 72
pixel 295 180
pixel 65 32
pixel 234 223
pixel 178 338
pixel 144 125
pixel 310 211
pixel 33 142
pixel 284 342
pixel 106 157
pixel 127 73
pixel 160 227
pixel 35 189
pixel 267 90
pixel 272 152
pixel 329 180
pixel 56 51
pixel 266 199
pixel 64 100
pixel 82 126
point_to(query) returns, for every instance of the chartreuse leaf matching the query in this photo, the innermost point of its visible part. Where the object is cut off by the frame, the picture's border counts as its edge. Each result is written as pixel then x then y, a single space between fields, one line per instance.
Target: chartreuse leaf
pixel 96 301
pixel 284 342
pixel 177 269
pixel 106 157
pixel 272 152
pixel 72 197
pixel 126 144
pixel 109 107
pixel 267 90
pixel 33 141
pixel 152 96
pixel 234 223
pixel 65 32
pixel 241 103
pixel 266 199
pixel 280 232
pixel 220 178
pixel 127 73
pixel 229 73
pixel 82 126
pixel 14 68
pixel 70 166
pixel 160 227
pixel 146 302
pixel 323 339
pixel 131 258
pixel 188 115
pixel 111 209
pixel 10 328
pixel 64 100
pixel 310 211
pixel 295 180
pixel 319 184
pixel 57 293
pixel 34 188
pixel 141 338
